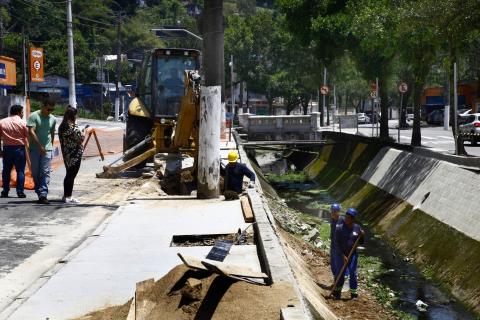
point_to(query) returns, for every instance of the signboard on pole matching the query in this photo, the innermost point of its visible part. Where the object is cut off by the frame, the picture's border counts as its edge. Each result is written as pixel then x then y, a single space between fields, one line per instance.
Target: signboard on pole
pixel 8 71
pixel 324 90
pixel 402 87
pixel 36 65
pixel 373 94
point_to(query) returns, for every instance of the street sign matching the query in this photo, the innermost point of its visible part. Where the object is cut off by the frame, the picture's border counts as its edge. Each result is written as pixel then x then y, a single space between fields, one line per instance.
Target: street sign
pixel 373 94
pixel 402 87
pixel 36 65
pixel 373 86
pixel 324 90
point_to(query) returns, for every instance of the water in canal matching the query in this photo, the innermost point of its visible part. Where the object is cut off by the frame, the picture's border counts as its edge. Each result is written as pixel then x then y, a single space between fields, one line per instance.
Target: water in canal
pixel 400 276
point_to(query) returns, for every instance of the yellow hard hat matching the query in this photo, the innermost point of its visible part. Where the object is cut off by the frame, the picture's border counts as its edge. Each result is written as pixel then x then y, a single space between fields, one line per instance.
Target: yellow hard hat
pixel 232 156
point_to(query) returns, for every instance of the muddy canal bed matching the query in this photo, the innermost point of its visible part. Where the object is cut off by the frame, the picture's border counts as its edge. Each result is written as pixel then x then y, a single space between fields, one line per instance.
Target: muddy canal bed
pixel 395 282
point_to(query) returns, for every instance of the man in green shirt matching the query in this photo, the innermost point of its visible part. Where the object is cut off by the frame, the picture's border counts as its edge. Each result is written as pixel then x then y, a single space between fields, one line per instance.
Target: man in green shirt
pixel 41 127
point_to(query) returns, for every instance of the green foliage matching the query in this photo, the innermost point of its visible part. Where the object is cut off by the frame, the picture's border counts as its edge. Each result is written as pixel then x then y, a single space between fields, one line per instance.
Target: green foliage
pixel 288 177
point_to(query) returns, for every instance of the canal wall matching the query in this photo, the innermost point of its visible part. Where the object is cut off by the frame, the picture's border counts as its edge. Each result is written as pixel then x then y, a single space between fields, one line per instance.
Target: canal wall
pixel 424 207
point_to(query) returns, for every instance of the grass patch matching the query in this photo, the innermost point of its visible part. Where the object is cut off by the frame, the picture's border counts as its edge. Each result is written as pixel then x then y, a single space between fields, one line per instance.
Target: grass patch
pixel 288 177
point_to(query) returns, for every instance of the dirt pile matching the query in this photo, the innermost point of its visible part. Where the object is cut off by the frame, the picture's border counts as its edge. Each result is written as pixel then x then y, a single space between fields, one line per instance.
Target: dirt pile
pixel 187 294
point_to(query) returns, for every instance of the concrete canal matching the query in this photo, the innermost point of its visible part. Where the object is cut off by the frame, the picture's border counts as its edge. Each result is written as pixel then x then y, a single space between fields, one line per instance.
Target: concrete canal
pixel 400 271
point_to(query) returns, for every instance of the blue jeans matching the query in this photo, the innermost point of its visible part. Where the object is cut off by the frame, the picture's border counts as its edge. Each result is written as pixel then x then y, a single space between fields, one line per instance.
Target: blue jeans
pixel 13 156
pixel 41 171
pixel 351 269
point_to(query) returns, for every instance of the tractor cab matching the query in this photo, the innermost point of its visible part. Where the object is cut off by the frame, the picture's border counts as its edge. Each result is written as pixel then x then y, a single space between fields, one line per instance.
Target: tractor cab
pixel 161 86
pixel 162 80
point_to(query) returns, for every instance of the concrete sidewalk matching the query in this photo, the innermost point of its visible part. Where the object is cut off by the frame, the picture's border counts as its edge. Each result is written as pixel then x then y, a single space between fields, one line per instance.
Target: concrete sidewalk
pixel 132 245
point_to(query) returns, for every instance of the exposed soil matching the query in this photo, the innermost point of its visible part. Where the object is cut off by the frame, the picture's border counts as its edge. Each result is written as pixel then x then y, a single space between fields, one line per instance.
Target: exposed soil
pixel 212 297
pixel 366 307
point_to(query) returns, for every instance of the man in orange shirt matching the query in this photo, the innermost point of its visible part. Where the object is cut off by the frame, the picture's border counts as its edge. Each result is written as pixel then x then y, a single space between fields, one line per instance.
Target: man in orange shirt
pixel 13 134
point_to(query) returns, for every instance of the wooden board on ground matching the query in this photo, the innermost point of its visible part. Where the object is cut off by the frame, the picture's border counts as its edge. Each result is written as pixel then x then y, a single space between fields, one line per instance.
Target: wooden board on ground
pixel 215 269
pixel 247 209
pixel 226 269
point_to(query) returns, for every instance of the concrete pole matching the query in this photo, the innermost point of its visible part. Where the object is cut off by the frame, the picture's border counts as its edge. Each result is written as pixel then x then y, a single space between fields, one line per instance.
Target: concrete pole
pixel 232 87
pixel 24 63
pixel 210 101
pixel 322 122
pixel 455 106
pixel 118 67
pixel 72 98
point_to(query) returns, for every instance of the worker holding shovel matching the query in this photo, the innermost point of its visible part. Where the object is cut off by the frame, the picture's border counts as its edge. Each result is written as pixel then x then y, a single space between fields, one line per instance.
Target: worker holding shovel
pixel 348 236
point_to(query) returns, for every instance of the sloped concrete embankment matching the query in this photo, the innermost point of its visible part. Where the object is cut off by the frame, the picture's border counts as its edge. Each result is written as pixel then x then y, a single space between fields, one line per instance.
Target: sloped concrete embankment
pixel 425 208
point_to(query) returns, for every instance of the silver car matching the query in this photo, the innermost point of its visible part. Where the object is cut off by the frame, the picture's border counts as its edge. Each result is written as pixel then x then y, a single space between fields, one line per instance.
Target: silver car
pixel 471 125
pixel 363 118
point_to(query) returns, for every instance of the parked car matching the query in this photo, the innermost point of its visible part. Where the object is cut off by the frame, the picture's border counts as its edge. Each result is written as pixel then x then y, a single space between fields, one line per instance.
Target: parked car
pixel 409 119
pixel 363 118
pixel 435 117
pixel 375 117
pixel 471 125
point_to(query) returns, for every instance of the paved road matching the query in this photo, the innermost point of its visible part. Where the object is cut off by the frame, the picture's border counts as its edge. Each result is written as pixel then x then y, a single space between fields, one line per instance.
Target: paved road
pixel 434 137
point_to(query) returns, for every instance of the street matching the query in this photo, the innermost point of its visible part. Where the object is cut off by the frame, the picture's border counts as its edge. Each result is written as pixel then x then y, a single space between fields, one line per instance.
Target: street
pixel 434 137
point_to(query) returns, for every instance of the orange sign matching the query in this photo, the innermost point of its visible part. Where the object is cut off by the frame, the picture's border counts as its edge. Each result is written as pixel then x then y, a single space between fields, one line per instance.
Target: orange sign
pixel 8 71
pixel 36 65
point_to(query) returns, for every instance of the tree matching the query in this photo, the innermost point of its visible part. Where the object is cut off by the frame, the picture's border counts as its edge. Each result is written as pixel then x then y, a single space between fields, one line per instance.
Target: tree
pixel 418 46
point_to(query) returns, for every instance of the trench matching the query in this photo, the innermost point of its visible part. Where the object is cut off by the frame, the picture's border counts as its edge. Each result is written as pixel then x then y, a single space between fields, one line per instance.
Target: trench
pixel 395 272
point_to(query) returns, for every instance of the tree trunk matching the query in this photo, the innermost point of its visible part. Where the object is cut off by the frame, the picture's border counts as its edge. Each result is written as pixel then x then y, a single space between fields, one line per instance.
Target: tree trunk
pixel 417 95
pixel 240 100
pixel 384 134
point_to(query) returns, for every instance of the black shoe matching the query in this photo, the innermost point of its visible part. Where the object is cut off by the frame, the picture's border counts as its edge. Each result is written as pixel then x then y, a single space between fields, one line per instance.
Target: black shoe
pixel 43 200
pixel 4 195
pixel 354 296
pixel 21 195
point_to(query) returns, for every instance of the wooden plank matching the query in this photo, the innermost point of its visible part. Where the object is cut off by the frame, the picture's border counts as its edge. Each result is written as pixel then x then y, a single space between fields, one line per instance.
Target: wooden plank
pixel 247 209
pixel 235 270
pixel 192 262
pixel 221 267
pixel 215 269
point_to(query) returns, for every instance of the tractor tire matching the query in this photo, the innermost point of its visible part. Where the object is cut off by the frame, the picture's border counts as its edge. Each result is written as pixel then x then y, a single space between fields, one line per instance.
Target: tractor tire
pixel 138 128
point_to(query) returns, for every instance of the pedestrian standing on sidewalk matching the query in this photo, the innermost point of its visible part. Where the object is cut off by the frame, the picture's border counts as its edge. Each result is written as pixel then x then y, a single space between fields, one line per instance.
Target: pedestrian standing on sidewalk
pixel 41 125
pixel 346 234
pixel 335 219
pixel 14 135
pixel 71 142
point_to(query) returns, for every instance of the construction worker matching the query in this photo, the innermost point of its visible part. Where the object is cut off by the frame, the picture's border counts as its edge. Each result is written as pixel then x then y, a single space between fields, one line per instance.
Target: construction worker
pixel 234 173
pixel 335 219
pixel 346 235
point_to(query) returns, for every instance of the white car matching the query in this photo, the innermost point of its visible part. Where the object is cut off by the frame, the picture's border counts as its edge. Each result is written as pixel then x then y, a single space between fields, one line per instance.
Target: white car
pixel 471 125
pixel 363 118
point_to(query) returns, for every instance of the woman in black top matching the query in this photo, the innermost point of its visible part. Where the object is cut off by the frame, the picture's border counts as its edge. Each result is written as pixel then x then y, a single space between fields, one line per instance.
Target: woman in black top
pixel 71 139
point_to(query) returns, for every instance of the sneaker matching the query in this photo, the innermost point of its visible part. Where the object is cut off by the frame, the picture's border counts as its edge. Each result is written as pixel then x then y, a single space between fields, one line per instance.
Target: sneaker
pixel 43 200
pixel 71 201
pixel 21 195
pixel 4 194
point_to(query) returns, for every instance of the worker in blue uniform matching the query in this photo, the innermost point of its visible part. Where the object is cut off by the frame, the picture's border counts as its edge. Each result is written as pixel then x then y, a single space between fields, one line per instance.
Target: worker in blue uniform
pixel 346 234
pixel 335 219
pixel 234 173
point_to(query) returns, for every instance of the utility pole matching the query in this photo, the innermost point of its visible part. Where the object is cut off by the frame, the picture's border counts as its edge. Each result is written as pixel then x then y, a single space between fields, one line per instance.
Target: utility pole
pixel 72 98
pixel 232 87
pixel 118 66
pixel 322 122
pixel 24 64
pixel 210 101
pixel 455 108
